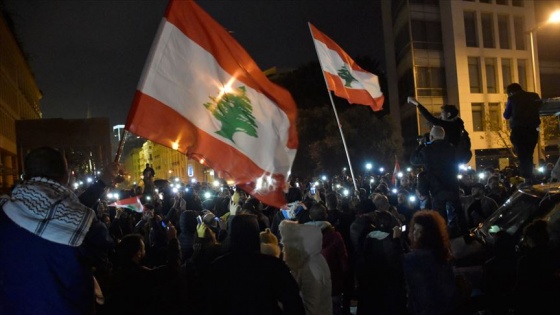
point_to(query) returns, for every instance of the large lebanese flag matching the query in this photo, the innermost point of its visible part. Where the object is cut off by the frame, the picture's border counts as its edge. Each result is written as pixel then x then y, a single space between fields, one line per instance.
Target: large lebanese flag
pixel 201 94
pixel 344 77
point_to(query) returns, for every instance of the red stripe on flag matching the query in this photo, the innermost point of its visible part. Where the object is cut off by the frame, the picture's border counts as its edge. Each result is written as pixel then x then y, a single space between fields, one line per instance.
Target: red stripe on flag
pixel 334 46
pixel 231 56
pixel 354 96
pixel 199 144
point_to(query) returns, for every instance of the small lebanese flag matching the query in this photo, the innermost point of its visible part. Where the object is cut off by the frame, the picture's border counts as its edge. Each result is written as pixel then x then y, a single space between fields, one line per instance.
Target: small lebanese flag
pixel 344 77
pixel 396 172
pixel 201 94
pixel 132 203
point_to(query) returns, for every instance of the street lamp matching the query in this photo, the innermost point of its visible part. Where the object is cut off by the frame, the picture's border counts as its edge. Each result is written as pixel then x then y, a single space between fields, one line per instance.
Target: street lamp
pixel 554 18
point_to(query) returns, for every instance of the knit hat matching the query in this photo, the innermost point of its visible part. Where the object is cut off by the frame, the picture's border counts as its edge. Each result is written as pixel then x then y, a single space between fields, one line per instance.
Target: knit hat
pixel 269 243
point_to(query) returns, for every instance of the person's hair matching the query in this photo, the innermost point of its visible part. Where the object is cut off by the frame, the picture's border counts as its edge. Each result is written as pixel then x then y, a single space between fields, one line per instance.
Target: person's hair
pixel 45 162
pixel 318 212
pixel 437 133
pixel 434 233
pixel 451 109
pixel 331 200
pixel 129 246
pixel 383 221
pixel 245 234
pixel 513 88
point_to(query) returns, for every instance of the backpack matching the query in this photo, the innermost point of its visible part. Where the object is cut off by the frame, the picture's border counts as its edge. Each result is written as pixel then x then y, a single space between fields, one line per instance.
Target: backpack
pixel 464 153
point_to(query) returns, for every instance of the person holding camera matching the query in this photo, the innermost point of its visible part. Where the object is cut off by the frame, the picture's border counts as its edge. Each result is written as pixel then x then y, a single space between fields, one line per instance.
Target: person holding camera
pixel 439 159
pixel 448 120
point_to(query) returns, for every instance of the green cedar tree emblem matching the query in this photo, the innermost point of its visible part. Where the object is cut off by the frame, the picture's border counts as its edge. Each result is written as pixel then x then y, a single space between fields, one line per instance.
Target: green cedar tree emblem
pixel 345 74
pixel 235 112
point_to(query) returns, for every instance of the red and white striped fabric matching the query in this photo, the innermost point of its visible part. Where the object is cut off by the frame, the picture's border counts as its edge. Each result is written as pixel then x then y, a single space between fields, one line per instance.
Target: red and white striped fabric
pixel 201 94
pixel 396 172
pixel 344 77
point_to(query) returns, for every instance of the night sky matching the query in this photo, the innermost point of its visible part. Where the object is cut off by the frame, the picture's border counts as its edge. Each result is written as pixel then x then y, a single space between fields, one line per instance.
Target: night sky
pixel 87 56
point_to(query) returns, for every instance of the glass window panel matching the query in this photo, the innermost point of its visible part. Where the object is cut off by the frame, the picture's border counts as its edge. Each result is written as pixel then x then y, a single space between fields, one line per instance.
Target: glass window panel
pixel 503 31
pixel 486 1
pixel 490 67
pixel 502 2
pixel 517 3
pixel 478 116
pixel 494 116
pixel 519 29
pixel 474 75
pixel 487 20
pixel 507 74
pixel 470 28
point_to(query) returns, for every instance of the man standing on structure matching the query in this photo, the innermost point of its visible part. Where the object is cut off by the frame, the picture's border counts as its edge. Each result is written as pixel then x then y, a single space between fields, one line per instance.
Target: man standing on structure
pixel 522 111
pixel 148 178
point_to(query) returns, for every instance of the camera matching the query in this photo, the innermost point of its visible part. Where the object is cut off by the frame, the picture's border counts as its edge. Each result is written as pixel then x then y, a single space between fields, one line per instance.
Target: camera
pixel 423 139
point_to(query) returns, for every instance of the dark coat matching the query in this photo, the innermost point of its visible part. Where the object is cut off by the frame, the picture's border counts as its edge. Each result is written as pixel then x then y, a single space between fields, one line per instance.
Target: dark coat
pixel 452 127
pixel 522 110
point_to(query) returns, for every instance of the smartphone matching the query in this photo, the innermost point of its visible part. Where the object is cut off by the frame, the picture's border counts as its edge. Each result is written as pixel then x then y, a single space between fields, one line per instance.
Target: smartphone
pixel 312 190
pixel 163 224
pixel 199 219
pixel 403 228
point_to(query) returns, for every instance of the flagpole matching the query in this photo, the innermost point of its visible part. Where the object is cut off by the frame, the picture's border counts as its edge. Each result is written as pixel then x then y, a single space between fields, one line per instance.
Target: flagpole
pixel 120 148
pixel 335 113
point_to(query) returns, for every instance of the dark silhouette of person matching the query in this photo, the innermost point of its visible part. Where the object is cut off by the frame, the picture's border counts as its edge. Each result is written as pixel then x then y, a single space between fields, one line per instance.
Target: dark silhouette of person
pixel 522 111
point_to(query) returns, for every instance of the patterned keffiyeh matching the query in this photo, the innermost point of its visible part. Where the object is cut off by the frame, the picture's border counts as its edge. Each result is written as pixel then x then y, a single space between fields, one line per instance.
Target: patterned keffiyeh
pixel 49 210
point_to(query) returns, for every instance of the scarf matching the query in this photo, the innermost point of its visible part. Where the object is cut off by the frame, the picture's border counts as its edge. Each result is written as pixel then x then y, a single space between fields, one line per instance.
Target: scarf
pixel 49 210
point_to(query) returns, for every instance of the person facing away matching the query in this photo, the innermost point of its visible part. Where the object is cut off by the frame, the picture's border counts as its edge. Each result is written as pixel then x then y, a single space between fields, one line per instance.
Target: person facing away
pixel 45 267
pixel 428 274
pixel 148 179
pixel 439 159
pixel 448 120
pixel 247 282
pixel 522 111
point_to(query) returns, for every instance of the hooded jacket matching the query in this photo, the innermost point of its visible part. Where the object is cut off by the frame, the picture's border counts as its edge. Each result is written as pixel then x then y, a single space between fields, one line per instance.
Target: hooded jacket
pixel 302 253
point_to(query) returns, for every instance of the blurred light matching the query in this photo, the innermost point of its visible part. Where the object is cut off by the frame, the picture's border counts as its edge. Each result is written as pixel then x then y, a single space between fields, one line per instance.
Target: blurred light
pixel 81 183
pixel 156 190
pixel 207 195
pixel 160 196
pixel 463 167
pixel 176 179
pixel 134 183
pixel 171 185
pixel 324 177
pixel 381 169
pixel 76 185
pixel 170 171
pixel 346 192
pixel 148 198
pixel 460 176
pixel 98 172
pixel 399 174
pixel 481 175
pixel 541 169
pixel 394 190
pixel 554 17
pixel 297 184
pixel 116 196
pixel 316 184
pixel 409 169
pixel 412 198
pixel 175 145
pixel 193 180
pixel 110 195
pixel 344 169
pixel 216 183
pixel 175 190
pixel 89 179
pixel 372 180
pixel 337 185
pixel 187 189
pixel 368 166
pixel 201 161
pixel 211 172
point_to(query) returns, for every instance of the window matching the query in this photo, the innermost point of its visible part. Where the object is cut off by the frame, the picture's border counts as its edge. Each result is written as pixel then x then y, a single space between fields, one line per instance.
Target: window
pixel 486 1
pixel 507 74
pixel 503 31
pixel 494 116
pixel 517 3
pixel 519 29
pixel 490 67
pixel 470 29
pixel 478 116
pixel 430 81
pixel 474 75
pixel 522 72
pixel 502 2
pixel 487 20
pixel 426 34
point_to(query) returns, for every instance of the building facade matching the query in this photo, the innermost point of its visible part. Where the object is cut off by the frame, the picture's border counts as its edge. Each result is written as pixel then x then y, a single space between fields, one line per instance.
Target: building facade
pixel 463 53
pixel 19 100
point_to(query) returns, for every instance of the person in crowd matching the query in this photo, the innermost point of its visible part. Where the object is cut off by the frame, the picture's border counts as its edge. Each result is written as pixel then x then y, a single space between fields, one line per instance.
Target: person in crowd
pixel 439 159
pixel 431 287
pixel 477 206
pixel 495 190
pixel 382 204
pixel 406 206
pixel 302 254
pixel 244 281
pixel 537 284
pixel 381 287
pixel 334 251
pixel 148 178
pixel 138 289
pixel 449 120
pixel 522 111
pixel 187 222
pixel 50 239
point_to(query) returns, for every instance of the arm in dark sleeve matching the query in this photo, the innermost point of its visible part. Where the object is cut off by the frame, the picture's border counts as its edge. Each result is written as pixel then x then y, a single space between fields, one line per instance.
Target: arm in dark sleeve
pixel 417 157
pixel 429 117
pixel 89 197
pixel 507 111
